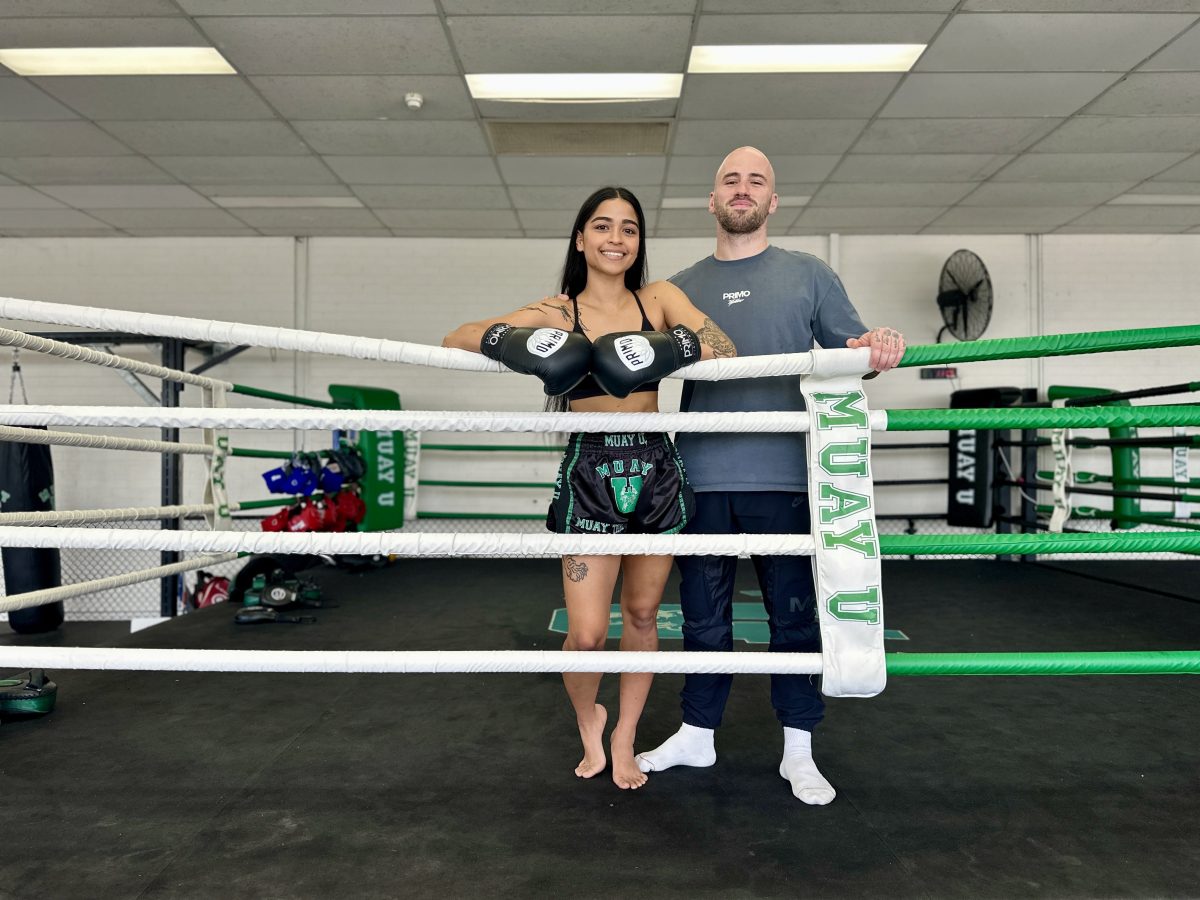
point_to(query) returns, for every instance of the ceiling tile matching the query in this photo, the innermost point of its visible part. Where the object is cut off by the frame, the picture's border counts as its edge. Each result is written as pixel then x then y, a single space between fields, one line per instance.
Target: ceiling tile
pixel 919 194
pixel 571 198
pixel 1188 170
pixel 414 169
pixel 771 136
pixel 308 7
pixel 1034 217
pixel 1155 186
pixel 1040 193
pixel 46 218
pixel 58 138
pixel 877 216
pixel 302 230
pixel 581 170
pixel 1049 42
pixel 1097 134
pixel 194 231
pixel 307 218
pixel 988 95
pixel 18 8
pixel 796 27
pixel 208 138
pixel 251 189
pixel 84 170
pixel 21 100
pixel 1152 94
pixel 786 96
pixel 1188 216
pixel 101 230
pixel 332 45
pixel 449 219
pixel 1087 166
pixel 1124 229
pixel 696 220
pixel 530 43
pixel 413 196
pixel 952 135
pixel 65 31
pixel 1088 6
pixel 26 198
pixel 1182 55
pixel 702 170
pixel 166 218
pixel 365 97
pixel 551 7
pixel 127 196
pixel 745 7
pixel 394 138
pixel 932 167
pixel 164 97
pixel 247 169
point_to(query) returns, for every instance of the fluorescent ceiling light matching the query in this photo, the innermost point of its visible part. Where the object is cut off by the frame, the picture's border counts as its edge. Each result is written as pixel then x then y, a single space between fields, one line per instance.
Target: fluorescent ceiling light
pixel 746 58
pixel 702 202
pixel 1155 200
pixel 288 202
pixel 576 87
pixel 116 61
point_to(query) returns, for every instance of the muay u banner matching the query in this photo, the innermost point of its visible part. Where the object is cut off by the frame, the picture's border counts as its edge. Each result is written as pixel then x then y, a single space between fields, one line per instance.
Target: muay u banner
pixel 846 567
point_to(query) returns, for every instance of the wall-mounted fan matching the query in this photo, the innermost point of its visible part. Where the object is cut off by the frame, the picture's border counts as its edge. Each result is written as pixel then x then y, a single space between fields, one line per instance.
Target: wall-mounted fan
pixel 964 296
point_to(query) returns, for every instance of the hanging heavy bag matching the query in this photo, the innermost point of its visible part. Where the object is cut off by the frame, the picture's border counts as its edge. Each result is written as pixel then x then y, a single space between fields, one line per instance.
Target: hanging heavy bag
pixel 27 485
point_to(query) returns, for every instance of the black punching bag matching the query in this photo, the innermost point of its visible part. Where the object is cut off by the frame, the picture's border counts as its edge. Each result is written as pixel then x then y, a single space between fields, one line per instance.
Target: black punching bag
pixel 27 484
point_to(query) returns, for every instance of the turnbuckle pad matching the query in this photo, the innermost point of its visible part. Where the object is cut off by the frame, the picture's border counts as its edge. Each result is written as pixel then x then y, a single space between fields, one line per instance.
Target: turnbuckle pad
pixel 27 694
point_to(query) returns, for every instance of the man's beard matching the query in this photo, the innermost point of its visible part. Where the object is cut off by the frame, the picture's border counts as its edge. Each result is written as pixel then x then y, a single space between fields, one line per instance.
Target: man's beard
pixel 741 221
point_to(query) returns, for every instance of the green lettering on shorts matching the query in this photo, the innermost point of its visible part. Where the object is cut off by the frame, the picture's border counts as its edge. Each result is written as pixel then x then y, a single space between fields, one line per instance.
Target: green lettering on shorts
pixel 626 492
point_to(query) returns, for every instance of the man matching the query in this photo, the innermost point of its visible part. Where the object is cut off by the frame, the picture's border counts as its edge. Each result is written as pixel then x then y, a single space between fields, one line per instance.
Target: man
pixel 768 301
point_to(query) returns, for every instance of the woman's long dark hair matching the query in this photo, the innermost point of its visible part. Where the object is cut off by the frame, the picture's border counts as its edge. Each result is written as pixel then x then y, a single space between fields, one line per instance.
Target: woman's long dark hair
pixel 575 271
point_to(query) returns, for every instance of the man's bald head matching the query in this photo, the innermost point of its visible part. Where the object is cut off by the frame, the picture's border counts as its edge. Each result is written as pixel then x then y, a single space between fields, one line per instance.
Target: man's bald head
pixel 745 161
pixel 743 193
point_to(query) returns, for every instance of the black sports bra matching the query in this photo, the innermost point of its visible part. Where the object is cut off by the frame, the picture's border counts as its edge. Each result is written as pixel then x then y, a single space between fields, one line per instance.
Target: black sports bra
pixel 588 387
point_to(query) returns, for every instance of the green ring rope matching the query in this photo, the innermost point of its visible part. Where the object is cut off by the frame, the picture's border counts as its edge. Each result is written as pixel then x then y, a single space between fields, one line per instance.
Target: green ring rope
pixel 1028 544
pixel 1018 417
pixel 1051 345
pixel 1136 662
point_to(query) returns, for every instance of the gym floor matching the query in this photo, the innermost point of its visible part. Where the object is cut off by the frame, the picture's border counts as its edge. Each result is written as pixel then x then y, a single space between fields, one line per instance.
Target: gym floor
pixel 220 785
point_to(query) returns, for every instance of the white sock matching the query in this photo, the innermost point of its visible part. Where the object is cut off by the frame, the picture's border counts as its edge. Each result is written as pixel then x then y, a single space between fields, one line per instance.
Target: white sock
pixel 689 746
pixel 808 784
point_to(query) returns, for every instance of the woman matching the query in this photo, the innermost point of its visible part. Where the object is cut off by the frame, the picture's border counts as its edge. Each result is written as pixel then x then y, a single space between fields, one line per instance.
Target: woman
pixel 609 483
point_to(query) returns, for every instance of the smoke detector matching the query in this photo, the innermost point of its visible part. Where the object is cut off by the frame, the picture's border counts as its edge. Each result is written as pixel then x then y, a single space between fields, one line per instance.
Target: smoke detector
pixel 413 100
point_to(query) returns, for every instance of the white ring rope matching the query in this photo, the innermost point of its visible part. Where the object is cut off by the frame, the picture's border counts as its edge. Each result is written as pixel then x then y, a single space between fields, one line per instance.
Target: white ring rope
pixel 92 516
pixel 98 441
pixel 67 591
pixel 398 661
pixel 423 544
pixel 64 350
pixel 822 362
pixel 420 420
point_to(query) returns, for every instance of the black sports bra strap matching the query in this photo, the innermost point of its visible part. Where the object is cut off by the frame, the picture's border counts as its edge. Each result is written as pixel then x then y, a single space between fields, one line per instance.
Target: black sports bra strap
pixel 646 326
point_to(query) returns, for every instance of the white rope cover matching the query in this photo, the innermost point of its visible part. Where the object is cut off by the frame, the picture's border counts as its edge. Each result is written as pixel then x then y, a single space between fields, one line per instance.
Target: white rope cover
pixel 424 544
pixel 98 441
pixel 407 661
pixel 830 362
pixel 91 516
pixel 67 591
pixel 427 420
pixel 64 350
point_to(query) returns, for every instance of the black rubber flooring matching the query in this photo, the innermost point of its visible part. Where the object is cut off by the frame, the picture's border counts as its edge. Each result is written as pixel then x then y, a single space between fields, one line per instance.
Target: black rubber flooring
pixel 277 786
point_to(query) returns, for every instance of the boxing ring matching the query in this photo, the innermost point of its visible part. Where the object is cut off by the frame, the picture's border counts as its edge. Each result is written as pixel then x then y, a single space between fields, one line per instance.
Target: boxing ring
pixel 348 784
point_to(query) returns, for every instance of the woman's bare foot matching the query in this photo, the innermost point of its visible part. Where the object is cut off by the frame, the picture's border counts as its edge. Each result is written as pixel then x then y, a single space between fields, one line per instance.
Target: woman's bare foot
pixel 626 774
pixel 592 735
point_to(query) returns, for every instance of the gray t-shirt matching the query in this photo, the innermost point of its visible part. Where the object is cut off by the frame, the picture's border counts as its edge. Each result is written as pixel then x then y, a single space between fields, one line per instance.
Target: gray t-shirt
pixel 776 302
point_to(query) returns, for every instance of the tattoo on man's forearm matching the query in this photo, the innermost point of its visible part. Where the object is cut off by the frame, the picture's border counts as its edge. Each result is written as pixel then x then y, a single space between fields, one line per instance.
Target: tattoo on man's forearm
pixel 576 570
pixel 710 333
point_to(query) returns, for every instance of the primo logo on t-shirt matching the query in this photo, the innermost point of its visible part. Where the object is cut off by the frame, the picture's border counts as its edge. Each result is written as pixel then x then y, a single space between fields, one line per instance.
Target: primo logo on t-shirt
pixel 735 296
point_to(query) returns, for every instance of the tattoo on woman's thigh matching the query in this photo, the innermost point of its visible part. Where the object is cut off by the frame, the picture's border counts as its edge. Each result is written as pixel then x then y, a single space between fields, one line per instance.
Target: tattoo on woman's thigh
pixel 576 570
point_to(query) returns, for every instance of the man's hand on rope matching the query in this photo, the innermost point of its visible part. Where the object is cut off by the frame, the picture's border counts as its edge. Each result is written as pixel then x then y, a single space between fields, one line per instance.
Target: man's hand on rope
pixel 887 347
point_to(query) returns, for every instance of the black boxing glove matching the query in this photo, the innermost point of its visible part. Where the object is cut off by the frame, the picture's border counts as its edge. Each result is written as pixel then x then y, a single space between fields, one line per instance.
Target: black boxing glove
pixel 560 358
pixel 625 360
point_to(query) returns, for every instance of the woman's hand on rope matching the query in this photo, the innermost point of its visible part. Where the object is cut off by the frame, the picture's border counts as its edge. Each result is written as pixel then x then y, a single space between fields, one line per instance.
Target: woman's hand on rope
pixel 887 347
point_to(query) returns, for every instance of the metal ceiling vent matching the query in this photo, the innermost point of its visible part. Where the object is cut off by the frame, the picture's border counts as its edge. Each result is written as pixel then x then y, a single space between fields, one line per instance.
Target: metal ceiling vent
pixel 578 138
